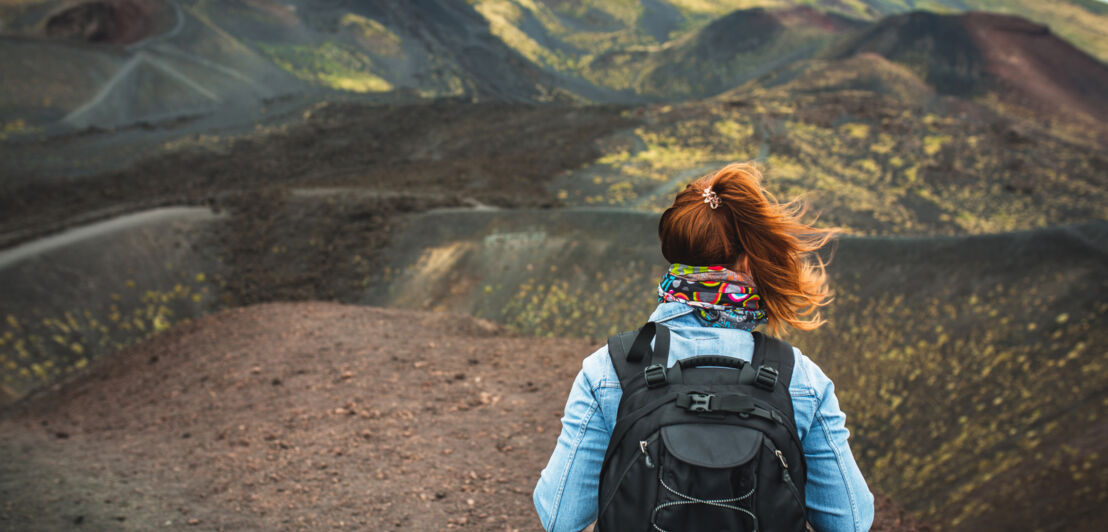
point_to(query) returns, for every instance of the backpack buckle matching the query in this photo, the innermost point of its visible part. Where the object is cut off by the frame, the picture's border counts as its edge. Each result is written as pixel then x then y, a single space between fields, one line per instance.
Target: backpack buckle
pixel 700 402
pixel 655 375
pixel 766 378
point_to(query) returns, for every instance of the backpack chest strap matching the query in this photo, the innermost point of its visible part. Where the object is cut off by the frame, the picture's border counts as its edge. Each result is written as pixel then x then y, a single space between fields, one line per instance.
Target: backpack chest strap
pixel 733 403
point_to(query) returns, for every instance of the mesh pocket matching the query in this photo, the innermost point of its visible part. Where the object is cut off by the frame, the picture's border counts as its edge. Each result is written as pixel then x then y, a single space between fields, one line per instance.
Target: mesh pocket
pixel 707 478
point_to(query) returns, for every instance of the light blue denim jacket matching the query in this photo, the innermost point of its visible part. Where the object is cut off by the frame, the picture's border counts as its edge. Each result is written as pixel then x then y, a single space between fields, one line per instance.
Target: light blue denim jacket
pixel 566 495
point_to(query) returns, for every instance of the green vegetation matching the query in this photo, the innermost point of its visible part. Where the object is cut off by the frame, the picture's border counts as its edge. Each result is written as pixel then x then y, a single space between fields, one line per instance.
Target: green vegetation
pixel 968 385
pixel 328 64
pixel 609 45
pixel 16 126
pixel 38 348
pixel 553 307
pixel 959 400
pixel 717 8
pixel 504 21
pixel 888 171
pixel 374 35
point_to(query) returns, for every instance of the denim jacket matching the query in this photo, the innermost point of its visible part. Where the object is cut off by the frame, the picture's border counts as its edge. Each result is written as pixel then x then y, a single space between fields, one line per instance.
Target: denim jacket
pixel 566 494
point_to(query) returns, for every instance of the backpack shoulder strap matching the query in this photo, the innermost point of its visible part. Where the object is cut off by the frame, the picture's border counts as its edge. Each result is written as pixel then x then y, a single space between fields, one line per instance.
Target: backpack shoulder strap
pixel 631 352
pixel 776 354
pixel 619 346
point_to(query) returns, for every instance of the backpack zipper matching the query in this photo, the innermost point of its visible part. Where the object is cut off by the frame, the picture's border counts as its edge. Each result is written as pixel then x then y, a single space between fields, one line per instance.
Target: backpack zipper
pixel 788 478
pixel 643 444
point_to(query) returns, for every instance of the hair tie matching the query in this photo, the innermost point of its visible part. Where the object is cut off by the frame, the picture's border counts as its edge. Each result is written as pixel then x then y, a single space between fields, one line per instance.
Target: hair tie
pixel 710 197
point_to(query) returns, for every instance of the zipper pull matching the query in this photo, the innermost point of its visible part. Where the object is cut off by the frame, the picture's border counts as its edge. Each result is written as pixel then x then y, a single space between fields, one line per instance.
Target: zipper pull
pixel 642 445
pixel 781 457
pixel 646 456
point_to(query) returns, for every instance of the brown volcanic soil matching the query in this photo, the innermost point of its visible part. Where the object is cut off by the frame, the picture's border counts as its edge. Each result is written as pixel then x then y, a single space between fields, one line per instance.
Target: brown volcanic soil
pixel 1038 69
pixel 299 416
pixel 110 21
pixel 978 53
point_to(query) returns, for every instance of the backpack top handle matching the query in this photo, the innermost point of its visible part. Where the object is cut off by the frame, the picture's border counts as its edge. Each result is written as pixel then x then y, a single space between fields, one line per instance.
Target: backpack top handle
pixel 712 360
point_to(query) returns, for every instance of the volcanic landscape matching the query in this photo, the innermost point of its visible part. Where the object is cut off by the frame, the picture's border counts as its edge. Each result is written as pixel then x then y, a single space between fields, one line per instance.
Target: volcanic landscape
pixel 304 265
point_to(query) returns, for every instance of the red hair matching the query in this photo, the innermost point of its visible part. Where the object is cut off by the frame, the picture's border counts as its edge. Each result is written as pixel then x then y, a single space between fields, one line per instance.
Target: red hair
pixel 750 224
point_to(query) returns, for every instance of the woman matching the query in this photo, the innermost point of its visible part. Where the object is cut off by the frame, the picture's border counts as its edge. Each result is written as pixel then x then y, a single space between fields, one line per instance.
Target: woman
pixel 725 219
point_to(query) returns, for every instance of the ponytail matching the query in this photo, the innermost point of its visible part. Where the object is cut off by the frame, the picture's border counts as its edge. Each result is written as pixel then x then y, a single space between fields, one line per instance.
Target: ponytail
pixel 747 223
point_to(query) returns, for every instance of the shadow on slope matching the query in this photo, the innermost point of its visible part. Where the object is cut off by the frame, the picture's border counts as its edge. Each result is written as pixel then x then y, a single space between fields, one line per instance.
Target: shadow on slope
pixel 736 48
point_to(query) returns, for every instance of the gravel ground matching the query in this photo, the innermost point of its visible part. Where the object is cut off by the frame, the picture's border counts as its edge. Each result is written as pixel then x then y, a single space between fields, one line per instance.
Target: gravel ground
pixel 305 416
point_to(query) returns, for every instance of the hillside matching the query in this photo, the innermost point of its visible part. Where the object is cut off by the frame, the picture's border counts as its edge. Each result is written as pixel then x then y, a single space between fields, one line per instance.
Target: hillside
pixel 197 64
pixel 567 34
pixel 1014 60
pixel 849 135
pixel 300 417
pixel 232 59
pixel 728 52
pixel 972 367
pixel 332 188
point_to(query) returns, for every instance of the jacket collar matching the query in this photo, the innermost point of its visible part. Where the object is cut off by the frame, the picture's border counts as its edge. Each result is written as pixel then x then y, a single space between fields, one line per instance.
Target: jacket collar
pixel 669 311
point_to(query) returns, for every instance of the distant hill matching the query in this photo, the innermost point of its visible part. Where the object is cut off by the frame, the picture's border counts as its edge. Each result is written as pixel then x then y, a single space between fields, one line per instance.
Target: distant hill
pixel 112 63
pixel 199 57
pixel 727 52
pixel 554 33
pixel 977 54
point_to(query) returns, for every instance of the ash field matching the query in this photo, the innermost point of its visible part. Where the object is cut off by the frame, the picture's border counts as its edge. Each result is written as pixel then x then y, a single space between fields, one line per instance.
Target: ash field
pixel 226 226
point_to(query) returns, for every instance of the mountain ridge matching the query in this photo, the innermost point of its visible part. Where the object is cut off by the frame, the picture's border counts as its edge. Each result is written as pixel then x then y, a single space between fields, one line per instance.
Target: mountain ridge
pixel 501 50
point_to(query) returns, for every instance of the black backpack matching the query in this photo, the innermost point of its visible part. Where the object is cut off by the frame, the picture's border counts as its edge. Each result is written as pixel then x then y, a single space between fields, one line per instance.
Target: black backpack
pixel 702 448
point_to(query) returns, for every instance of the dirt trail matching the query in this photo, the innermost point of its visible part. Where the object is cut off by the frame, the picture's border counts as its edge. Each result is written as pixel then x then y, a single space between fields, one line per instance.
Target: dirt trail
pixel 306 416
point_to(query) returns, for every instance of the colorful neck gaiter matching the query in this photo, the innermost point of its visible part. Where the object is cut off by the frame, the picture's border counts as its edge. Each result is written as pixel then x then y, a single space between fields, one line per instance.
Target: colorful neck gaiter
pixel 721 297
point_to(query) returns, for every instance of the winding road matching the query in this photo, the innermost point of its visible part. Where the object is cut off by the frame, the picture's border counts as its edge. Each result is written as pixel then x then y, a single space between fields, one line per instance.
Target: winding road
pixel 153 52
